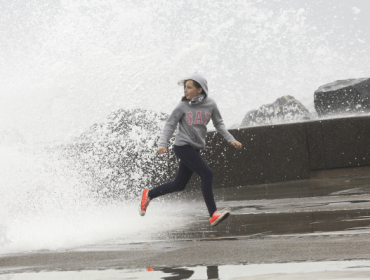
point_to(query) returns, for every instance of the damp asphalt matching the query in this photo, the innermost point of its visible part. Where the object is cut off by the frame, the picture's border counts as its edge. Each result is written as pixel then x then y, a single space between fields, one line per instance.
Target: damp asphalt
pixel 325 219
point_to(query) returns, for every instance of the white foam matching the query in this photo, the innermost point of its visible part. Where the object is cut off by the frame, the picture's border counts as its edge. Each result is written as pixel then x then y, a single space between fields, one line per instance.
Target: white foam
pixel 45 206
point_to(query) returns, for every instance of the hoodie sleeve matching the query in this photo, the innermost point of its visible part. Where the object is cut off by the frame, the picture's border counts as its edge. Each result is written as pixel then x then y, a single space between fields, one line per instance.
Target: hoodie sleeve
pixel 170 126
pixel 220 126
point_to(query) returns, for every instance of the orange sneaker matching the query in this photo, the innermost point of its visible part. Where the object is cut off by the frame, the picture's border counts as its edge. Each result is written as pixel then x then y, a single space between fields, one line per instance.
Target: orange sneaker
pixel 144 202
pixel 218 217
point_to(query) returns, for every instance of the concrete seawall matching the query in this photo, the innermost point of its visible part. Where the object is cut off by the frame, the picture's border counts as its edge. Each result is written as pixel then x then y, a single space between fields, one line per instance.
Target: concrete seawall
pixel 286 152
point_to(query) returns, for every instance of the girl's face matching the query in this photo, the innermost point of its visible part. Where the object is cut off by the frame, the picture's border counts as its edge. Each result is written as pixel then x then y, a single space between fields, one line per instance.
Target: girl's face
pixel 191 90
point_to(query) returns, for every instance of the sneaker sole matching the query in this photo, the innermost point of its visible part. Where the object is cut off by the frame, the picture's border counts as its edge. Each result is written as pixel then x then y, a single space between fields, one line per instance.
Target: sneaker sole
pixel 141 212
pixel 220 219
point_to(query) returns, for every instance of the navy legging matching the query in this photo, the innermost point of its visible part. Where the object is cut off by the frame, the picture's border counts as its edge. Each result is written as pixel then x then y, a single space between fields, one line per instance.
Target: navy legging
pixel 190 162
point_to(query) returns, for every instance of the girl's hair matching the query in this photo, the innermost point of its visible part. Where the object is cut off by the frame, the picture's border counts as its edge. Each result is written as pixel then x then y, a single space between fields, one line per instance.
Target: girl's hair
pixel 196 84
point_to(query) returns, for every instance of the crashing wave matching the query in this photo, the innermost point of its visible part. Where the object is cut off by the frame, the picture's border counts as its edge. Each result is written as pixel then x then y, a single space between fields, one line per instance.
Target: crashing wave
pixel 119 157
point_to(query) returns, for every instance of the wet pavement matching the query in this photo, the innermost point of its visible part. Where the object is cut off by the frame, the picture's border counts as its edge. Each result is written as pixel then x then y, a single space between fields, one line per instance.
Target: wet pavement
pixel 335 200
pixel 287 271
pixel 326 218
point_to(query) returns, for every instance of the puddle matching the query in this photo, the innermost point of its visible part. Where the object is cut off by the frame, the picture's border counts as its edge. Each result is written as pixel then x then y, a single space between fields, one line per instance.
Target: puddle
pixel 276 223
pixel 304 270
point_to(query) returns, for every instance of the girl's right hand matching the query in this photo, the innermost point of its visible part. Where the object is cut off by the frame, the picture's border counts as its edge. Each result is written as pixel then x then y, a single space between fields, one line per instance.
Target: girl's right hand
pixel 162 150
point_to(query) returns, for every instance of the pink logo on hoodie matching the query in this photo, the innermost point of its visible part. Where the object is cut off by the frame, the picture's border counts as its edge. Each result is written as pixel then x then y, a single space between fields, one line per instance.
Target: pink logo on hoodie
pixel 189 118
pixel 208 116
pixel 198 119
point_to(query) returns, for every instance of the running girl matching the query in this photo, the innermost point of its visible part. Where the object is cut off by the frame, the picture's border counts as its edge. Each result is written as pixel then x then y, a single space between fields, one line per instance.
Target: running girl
pixel 193 114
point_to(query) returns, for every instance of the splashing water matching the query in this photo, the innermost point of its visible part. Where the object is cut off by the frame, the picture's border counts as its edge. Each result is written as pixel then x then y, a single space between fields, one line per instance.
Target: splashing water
pixel 66 65
pixel 46 206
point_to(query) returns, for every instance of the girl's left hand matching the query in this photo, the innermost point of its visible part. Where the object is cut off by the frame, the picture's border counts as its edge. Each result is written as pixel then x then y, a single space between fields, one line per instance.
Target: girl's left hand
pixel 236 144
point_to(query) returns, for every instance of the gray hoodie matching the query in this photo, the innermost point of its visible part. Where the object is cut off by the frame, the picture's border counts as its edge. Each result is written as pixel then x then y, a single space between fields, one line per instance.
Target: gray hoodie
pixel 193 119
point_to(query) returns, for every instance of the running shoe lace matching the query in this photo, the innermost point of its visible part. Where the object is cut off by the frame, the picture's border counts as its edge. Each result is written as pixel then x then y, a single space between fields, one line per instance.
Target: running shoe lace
pixel 146 203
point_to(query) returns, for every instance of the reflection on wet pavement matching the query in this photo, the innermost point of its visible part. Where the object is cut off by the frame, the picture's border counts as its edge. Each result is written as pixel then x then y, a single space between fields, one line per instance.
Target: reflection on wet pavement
pixel 186 273
pixel 358 269
pixel 176 273
pixel 212 272
pixel 298 189
pixel 337 200
pixel 279 223
pixel 327 270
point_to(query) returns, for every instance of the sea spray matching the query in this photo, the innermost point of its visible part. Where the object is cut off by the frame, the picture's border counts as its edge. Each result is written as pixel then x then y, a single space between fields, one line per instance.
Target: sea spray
pixel 118 157
pixel 68 64
pixel 48 204
pixel 86 191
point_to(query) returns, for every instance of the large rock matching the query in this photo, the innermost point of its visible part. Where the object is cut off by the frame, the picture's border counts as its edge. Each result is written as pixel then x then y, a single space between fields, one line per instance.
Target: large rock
pixel 343 97
pixel 284 109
